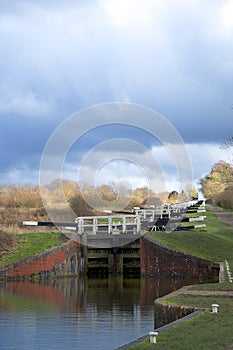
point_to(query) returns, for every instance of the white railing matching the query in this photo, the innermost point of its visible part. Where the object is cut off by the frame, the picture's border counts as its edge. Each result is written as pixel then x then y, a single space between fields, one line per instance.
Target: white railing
pixel 167 209
pixel 109 224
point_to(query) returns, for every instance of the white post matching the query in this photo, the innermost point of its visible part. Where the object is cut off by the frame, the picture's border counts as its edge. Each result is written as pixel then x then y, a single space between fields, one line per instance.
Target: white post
pixel 80 226
pixel 95 227
pixel 215 308
pixel 124 224
pixel 109 225
pixel 153 336
pixel 169 211
pixel 138 223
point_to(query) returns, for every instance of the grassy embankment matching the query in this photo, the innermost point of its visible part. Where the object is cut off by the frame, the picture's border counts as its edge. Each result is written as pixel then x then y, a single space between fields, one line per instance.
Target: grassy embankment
pixel 206 331
pixel 28 244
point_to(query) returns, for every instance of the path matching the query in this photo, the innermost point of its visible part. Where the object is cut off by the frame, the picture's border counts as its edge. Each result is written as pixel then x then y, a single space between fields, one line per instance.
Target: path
pixel 222 215
pixel 185 290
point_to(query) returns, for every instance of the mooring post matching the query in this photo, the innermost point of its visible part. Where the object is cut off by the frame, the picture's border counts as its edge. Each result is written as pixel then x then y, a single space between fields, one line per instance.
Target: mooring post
pixel 153 336
pixel 215 308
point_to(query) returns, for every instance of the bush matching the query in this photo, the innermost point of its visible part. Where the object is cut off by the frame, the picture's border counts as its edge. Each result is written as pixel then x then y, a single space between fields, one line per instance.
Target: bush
pixel 7 243
pixel 225 199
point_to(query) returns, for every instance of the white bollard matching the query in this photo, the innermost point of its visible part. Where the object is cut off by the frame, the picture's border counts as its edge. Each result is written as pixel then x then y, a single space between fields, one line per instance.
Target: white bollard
pixel 152 336
pixel 215 308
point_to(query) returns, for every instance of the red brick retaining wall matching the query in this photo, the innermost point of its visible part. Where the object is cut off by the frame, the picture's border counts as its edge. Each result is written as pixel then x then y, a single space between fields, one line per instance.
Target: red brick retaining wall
pixel 43 264
pixel 66 259
pixel 160 260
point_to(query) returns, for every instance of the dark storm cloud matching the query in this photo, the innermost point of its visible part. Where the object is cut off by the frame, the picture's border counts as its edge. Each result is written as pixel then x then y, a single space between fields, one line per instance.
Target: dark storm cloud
pixel 22 142
pixel 60 57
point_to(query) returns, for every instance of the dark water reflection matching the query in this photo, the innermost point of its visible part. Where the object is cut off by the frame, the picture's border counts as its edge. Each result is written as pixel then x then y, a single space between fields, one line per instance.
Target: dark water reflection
pixel 78 313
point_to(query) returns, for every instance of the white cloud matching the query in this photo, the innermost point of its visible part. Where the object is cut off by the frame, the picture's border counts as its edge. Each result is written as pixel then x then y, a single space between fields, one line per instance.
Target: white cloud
pixel 226 15
pixel 21 175
pixel 125 13
pixel 205 155
pixel 158 171
pixel 26 104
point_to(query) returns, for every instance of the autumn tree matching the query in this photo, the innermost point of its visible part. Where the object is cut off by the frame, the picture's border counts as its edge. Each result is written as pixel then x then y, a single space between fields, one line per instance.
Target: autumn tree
pixel 172 197
pixel 217 184
pixel 20 196
pixel 191 192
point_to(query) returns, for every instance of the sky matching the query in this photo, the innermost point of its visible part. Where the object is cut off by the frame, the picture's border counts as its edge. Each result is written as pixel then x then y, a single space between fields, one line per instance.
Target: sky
pixel 58 59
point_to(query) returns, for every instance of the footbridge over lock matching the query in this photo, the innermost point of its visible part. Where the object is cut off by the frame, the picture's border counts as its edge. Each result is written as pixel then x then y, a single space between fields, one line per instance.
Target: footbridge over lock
pixel 112 243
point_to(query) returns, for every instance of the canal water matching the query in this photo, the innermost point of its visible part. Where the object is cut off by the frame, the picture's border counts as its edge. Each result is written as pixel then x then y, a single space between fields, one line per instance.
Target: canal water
pixel 78 313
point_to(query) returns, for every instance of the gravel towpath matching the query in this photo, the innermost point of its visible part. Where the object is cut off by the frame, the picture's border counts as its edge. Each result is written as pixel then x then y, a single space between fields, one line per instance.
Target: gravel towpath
pixel 222 215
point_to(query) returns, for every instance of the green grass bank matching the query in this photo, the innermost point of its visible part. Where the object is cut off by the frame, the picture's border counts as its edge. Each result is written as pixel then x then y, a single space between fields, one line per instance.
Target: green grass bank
pixel 28 244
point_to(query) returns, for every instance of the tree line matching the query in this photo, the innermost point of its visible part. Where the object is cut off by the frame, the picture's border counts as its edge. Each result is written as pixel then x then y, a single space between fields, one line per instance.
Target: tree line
pixel 28 196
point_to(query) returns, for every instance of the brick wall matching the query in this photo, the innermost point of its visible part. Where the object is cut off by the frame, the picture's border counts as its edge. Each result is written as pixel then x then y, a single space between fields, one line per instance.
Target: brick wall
pixel 42 264
pixel 160 260
pixel 64 260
